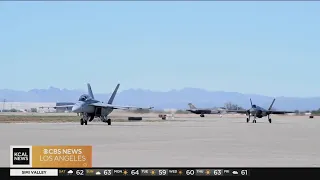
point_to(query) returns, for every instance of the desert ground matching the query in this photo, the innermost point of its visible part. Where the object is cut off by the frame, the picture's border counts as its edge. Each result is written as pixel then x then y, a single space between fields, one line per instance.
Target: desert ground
pixel 186 140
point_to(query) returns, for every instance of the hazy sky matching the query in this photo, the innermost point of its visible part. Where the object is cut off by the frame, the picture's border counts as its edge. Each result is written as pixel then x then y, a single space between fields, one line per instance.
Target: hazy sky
pixel 269 48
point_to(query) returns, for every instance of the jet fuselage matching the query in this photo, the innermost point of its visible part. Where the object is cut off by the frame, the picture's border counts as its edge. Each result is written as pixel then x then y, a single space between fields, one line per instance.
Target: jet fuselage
pixel 83 106
pixel 258 111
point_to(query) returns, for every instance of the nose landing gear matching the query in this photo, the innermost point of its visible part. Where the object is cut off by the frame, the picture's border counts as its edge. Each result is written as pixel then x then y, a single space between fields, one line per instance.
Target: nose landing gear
pixel 83 122
pixel 84 119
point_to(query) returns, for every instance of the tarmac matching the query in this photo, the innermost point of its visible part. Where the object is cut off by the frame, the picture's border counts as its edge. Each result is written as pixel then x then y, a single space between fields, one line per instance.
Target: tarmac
pixel 288 141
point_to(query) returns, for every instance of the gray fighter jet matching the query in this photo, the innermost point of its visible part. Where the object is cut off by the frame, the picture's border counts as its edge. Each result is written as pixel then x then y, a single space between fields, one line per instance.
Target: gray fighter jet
pixel 89 108
pixel 203 111
pixel 259 112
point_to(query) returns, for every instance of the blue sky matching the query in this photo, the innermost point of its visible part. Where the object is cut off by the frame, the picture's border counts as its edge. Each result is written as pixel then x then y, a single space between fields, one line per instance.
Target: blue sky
pixel 269 48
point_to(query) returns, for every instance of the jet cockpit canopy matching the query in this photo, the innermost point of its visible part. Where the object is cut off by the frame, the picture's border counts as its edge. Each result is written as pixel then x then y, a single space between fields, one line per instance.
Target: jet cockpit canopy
pixel 83 97
pixel 254 106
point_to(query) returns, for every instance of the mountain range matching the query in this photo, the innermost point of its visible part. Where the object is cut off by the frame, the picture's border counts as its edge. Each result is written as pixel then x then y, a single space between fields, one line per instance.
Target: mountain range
pixel 174 99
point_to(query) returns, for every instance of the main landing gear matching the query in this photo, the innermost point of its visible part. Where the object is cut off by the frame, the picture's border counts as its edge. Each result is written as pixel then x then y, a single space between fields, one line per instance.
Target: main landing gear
pixel 105 120
pixel 269 119
pixel 85 118
pixel 201 115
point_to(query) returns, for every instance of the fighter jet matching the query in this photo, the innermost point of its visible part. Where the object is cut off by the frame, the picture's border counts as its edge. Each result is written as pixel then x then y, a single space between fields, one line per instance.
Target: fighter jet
pixel 89 108
pixel 203 111
pixel 259 112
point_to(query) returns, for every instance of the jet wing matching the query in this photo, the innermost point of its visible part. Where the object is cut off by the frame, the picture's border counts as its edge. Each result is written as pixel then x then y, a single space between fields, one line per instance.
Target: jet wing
pixel 54 107
pixel 237 111
pixel 280 112
pixel 117 107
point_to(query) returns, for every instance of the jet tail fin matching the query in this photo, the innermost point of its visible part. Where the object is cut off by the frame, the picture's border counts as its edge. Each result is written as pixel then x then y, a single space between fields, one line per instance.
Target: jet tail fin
pixel 113 94
pixel 191 106
pixel 271 104
pixel 90 91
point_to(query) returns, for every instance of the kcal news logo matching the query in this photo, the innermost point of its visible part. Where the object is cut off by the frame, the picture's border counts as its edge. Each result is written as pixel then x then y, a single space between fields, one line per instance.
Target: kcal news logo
pixel 20 156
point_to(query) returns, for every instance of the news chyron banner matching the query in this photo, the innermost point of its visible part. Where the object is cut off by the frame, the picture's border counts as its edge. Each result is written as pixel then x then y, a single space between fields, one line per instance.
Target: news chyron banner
pixel 50 156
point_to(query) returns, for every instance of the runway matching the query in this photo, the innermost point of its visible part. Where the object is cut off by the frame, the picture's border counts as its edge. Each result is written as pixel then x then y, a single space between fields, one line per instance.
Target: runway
pixel 182 142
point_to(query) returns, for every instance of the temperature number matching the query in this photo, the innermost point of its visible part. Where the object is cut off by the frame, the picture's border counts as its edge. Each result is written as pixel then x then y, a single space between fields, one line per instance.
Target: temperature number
pixel 217 172
pixel 107 172
pixel 189 172
pixel 244 172
pixel 162 172
pixel 134 172
pixel 79 172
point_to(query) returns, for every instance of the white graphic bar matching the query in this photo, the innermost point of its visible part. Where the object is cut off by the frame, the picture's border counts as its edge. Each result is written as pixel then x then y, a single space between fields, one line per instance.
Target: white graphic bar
pixel 33 172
